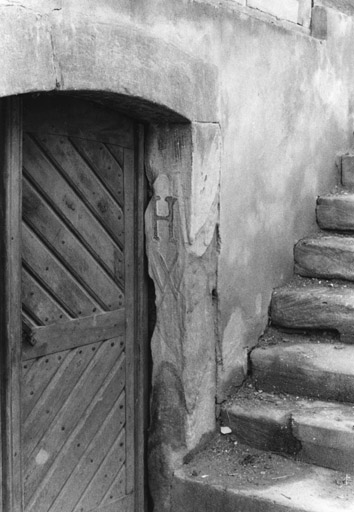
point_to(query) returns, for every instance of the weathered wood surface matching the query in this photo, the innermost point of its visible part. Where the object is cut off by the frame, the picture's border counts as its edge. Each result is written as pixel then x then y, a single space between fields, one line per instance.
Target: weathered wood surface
pixel 53 276
pixel 77 259
pixel 336 212
pixel 10 303
pixel 131 327
pixel 84 179
pixel 316 432
pixel 78 332
pixel 314 307
pixel 323 371
pixel 327 257
pixel 72 208
pixel 125 504
pixel 88 415
pixel 80 305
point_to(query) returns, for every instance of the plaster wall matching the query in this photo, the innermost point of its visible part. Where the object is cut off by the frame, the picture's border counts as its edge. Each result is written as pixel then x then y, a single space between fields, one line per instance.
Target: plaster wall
pixel 280 102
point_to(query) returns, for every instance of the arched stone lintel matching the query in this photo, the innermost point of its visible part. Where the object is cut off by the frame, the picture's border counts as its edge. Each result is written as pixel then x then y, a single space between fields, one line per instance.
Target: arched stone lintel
pixel 78 53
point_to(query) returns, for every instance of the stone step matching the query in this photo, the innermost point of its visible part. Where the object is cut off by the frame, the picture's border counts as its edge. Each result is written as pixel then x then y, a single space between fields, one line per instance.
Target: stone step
pixel 318 370
pixel 315 307
pixel 316 432
pixel 336 212
pixel 328 257
pixel 230 478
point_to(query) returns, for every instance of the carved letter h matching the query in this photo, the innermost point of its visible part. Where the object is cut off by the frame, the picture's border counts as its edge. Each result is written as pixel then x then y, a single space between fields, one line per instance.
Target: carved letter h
pixel 167 218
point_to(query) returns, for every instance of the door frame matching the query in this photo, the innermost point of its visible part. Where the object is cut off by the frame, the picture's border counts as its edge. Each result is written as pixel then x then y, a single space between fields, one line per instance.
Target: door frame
pixel 11 490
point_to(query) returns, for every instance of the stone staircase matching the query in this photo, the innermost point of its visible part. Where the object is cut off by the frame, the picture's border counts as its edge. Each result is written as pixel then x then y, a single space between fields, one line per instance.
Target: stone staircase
pixel 299 401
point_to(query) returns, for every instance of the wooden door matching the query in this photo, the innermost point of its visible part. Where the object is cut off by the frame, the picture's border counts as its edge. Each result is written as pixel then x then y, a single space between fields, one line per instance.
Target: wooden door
pixel 80 303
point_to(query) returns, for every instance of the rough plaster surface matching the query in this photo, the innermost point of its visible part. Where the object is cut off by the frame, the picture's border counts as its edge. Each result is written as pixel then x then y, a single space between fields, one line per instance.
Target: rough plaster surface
pixel 292 103
pixel 282 103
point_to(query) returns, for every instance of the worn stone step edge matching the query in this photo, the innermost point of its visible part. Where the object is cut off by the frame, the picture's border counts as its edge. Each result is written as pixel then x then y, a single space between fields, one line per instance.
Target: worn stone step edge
pixel 318 370
pixel 314 307
pixel 316 432
pixel 316 490
pixel 336 212
pixel 329 257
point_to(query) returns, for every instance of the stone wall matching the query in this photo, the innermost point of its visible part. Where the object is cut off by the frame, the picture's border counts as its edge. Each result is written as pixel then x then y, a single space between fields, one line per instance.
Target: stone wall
pixel 246 113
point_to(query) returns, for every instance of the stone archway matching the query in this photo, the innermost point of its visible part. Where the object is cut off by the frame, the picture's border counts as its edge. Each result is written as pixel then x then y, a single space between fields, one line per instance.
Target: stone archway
pixel 120 66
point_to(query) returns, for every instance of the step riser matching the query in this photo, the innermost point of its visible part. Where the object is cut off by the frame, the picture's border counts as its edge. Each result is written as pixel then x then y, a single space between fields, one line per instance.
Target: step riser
pixel 315 258
pixel 317 308
pixel 291 435
pixel 335 213
pixel 262 433
pixel 302 374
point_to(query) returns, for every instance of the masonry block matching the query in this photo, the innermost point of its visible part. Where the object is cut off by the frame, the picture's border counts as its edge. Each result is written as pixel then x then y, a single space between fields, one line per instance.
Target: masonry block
pixel 295 11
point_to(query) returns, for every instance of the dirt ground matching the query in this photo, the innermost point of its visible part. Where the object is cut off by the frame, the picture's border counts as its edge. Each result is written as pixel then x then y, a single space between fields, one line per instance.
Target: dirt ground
pixel 228 463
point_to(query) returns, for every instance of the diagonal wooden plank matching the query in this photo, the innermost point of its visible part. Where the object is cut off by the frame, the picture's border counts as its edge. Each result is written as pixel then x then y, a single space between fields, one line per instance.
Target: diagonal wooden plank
pixel 111 469
pixel 116 490
pixel 54 275
pixel 41 305
pixel 68 205
pixel 123 504
pixel 50 402
pixel 81 331
pixel 91 461
pixel 26 367
pixel 84 181
pixel 81 399
pixel 66 450
pixel 37 378
pixel 117 153
pixel 108 168
pixel 70 251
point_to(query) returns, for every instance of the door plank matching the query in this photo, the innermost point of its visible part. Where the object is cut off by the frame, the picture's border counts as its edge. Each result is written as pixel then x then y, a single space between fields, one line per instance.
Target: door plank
pixel 37 378
pixel 93 458
pixel 105 476
pixel 50 402
pixel 53 274
pixel 130 296
pixel 37 300
pixel 85 183
pixel 71 252
pixel 117 152
pixel 68 205
pixel 10 303
pixel 82 419
pixel 81 331
pixel 125 504
pixel 81 400
pixel 26 367
pixel 107 166
pixel 116 490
